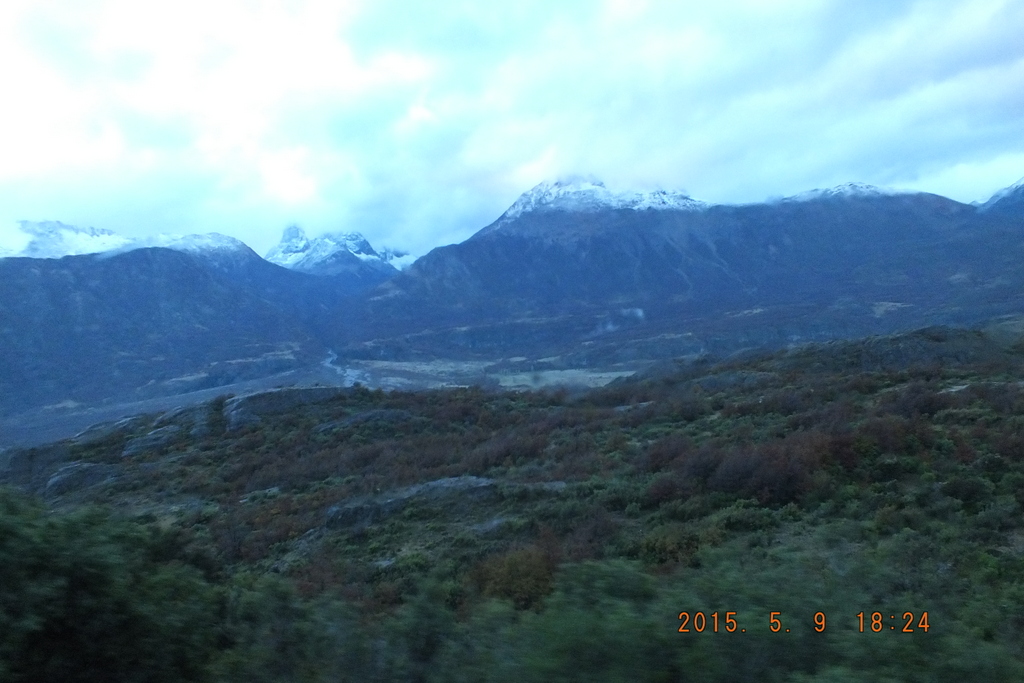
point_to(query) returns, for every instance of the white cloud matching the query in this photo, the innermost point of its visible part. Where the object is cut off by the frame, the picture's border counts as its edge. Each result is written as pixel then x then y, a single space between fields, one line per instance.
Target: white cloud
pixel 419 123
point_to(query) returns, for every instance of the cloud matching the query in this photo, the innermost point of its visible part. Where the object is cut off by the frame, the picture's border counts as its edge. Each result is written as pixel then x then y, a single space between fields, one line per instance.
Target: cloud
pixel 419 123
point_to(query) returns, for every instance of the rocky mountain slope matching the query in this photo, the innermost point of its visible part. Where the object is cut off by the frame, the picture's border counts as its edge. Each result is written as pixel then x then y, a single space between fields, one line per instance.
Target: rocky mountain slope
pixel 147 322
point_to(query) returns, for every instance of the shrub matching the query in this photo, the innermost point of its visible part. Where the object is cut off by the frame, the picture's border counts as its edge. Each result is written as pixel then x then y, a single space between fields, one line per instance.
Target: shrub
pixel 83 597
pixel 522 576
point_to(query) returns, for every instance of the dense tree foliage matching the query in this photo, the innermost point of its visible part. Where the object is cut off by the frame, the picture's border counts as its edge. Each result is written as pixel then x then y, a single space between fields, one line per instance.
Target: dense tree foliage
pixel 87 598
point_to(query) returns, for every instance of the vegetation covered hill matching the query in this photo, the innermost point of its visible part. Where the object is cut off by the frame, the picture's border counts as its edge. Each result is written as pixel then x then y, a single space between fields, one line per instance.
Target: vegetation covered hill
pixel 844 512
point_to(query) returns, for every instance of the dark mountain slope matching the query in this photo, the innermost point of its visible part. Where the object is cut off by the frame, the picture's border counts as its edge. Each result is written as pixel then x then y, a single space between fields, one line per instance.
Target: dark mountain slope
pixel 815 268
pixel 569 277
pixel 1009 201
pixel 144 322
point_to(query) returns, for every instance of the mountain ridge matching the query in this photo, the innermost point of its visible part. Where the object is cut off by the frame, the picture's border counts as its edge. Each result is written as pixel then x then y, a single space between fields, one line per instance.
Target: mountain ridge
pixel 562 285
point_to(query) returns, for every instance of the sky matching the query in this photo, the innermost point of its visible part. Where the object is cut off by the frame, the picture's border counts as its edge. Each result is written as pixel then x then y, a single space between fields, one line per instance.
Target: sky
pixel 419 123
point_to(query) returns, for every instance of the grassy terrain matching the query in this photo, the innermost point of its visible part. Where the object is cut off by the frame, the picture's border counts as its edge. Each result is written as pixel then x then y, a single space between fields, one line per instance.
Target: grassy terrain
pixel 466 534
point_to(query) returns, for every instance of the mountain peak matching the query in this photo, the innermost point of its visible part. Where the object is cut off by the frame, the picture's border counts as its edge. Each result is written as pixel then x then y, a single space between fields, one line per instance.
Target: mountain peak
pixel 329 254
pixel 210 242
pixel 579 193
pixel 1009 199
pixel 844 191
pixel 53 240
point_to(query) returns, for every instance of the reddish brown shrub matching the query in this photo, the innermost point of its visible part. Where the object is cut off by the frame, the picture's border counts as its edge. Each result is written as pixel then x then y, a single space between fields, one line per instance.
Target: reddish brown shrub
pixel 523 576
pixel 667 453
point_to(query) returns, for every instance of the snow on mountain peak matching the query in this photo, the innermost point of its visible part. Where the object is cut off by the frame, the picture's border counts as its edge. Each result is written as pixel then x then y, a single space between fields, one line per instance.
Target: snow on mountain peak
pixel 846 190
pixel 588 194
pixel 210 242
pixel 53 240
pixel 320 254
pixel 1007 193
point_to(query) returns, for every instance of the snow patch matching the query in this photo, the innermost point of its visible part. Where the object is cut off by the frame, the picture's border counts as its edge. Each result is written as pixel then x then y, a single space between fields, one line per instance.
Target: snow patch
pixel 53 240
pixel 1016 189
pixel 296 251
pixel 845 191
pixel 213 241
pixel 587 194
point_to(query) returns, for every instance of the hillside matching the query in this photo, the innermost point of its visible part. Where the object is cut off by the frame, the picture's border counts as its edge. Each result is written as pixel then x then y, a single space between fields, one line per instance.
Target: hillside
pixel 484 535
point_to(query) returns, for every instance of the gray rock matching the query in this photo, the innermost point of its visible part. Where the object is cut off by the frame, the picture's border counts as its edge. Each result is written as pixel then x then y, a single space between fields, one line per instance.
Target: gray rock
pixel 30 467
pixel 196 419
pixel 78 475
pixel 238 416
pixel 103 430
pixel 154 439
pixel 174 415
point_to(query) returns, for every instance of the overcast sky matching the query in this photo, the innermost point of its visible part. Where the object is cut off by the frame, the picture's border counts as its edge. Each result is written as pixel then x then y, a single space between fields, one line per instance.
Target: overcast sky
pixel 418 123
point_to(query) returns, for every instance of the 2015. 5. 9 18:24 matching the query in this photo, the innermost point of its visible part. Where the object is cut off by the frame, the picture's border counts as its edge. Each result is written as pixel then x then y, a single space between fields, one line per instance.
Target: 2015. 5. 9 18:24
pixel 718 622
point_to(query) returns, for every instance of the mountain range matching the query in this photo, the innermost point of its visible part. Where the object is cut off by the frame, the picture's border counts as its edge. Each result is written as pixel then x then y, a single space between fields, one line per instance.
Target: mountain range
pixel 678 277
pixel 572 276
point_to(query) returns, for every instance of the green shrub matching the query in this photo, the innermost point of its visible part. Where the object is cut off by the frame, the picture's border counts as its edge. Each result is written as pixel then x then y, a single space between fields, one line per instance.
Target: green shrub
pixel 83 597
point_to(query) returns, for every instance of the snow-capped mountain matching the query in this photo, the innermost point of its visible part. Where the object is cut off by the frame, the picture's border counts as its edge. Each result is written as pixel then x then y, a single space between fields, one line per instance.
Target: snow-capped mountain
pixel 569 249
pixel 575 272
pixel 588 194
pixel 329 254
pixel 1008 200
pixel 844 191
pixel 54 240
pixel 194 244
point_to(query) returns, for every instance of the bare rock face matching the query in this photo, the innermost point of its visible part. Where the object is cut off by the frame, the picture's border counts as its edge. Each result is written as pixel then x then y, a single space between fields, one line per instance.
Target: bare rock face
pixel 105 430
pixel 154 439
pixel 78 475
pixel 196 419
pixel 30 468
